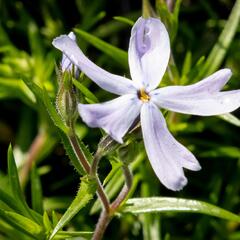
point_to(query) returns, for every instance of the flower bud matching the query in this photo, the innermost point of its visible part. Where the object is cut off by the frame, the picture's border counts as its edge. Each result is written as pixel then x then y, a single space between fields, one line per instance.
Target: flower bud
pixel 66 98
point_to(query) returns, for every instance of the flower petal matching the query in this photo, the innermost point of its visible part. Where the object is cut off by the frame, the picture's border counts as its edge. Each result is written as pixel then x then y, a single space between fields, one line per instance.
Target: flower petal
pixel 202 98
pixel 66 63
pixel 110 82
pixel 115 116
pixel 149 51
pixel 166 155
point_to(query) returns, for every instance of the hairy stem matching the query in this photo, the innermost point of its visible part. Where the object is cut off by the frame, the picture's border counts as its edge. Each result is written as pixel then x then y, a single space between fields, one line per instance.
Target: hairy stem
pixel 93 172
pixel 106 217
pixel 96 159
pixel 79 153
pixel 101 226
pixel 81 156
pixel 125 190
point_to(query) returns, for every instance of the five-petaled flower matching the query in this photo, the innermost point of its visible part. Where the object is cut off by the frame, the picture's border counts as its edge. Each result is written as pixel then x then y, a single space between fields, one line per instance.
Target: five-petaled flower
pixel 148 55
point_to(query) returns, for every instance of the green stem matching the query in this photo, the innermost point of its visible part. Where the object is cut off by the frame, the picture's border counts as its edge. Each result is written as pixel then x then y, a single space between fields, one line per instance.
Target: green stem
pixel 125 190
pixel 106 217
pixel 74 142
pixel 101 226
pixel 83 160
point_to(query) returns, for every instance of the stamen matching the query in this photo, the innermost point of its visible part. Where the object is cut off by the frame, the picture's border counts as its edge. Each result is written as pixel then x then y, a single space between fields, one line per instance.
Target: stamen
pixel 143 96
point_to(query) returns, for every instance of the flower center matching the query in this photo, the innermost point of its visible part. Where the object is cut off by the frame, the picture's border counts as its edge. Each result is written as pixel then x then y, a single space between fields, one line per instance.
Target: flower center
pixel 143 96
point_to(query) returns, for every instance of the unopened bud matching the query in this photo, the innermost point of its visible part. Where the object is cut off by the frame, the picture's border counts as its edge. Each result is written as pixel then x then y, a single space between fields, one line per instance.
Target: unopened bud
pixel 66 99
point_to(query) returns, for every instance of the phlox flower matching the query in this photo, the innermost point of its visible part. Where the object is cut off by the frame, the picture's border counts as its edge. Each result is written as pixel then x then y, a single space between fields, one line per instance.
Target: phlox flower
pixel 148 56
pixel 66 64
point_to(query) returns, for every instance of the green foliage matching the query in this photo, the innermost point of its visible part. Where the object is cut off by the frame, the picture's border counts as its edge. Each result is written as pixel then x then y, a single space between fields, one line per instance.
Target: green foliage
pixel 161 204
pixel 15 185
pixel 169 18
pixel 219 50
pixel 89 96
pixel 115 53
pixel 85 194
pixel 22 224
pixel 36 190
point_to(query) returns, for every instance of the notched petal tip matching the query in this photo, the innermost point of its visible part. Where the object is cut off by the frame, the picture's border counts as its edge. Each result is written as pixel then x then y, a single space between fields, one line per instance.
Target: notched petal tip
pixel 58 40
pixel 164 152
pixel 149 51
pixel 72 36
pixel 203 98
pixel 179 184
pixel 188 160
pixel 110 82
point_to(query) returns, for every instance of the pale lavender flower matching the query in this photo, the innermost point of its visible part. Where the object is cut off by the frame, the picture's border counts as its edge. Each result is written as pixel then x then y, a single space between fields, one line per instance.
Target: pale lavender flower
pixel 66 64
pixel 149 52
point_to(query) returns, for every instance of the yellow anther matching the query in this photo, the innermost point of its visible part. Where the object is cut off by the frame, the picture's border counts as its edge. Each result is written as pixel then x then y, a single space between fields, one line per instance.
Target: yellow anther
pixel 143 96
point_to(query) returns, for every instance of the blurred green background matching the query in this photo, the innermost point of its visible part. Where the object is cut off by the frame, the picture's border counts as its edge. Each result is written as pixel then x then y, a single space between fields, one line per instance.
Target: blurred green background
pixel 27 29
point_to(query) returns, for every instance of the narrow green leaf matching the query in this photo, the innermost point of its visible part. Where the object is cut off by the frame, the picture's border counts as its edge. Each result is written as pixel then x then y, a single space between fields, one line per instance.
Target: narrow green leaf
pixel 22 223
pixel 87 93
pixel 219 50
pixel 47 223
pixel 187 63
pixel 174 17
pixel 29 225
pixel 147 10
pixel 86 151
pixel 193 74
pixel 15 184
pixel 9 201
pixel 54 218
pixel 86 192
pixel 56 203
pixel 35 42
pixel 165 14
pixel 115 167
pixel 177 9
pixel 90 13
pixel 124 20
pixel 222 151
pixel 115 53
pixel 228 117
pixel 36 191
pixel 112 27
pixel 16 88
pixel 42 95
pixel 53 113
pixel 151 226
pixel 166 204
pixel 69 234
pixel 10 231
